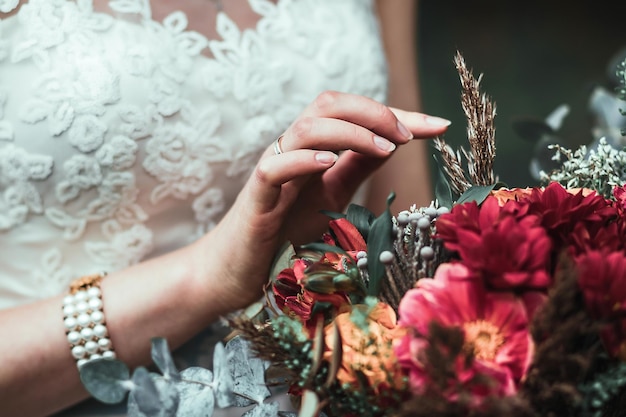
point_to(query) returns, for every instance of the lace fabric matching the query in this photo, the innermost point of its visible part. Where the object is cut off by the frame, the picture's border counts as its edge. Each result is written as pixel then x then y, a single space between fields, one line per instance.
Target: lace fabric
pixel 123 137
pixel 120 139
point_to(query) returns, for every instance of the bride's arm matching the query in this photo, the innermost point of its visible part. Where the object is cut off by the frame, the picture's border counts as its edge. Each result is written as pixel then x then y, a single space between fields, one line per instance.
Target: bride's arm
pixel 176 295
pixel 407 172
pixel 169 296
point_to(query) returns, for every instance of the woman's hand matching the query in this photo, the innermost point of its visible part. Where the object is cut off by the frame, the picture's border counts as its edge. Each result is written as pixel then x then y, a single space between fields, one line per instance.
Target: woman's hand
pixel 327 153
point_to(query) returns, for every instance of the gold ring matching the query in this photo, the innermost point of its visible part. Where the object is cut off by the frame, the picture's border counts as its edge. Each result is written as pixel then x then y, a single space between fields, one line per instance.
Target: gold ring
pixel 277 148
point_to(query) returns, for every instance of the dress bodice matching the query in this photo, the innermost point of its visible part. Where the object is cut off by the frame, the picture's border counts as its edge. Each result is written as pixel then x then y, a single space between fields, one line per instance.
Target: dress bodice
pixel 122 137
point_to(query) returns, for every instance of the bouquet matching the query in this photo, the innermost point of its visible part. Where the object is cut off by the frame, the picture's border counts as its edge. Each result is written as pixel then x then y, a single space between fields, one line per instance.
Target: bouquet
pixel 491 301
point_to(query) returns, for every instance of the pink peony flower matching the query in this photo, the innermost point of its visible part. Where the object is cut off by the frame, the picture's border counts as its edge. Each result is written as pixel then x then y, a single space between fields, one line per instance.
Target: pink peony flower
pixel 495 327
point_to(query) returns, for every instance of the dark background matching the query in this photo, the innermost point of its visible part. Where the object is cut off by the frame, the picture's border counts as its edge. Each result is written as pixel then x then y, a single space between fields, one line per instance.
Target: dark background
pixel 534 56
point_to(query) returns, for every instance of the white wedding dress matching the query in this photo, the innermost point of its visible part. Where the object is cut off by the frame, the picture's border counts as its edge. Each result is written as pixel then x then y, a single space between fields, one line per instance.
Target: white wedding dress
pixel 123 137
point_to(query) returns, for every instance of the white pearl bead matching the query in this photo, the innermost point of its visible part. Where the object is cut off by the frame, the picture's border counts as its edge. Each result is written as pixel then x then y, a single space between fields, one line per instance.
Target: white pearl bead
pixel 81 362
pixel 97 317
pixel 95 304
pixel 82 307
pixel 68 299
pixel 81 295
pixel 108 354
pixel 95 356
pixel 83 319
pixel 100 330
pixel 104 343
pixel 94 292
pixel 86 333
pixel 73 337
pixel 70 323
pixel 91 347
pixel 69 310
pixel 78 352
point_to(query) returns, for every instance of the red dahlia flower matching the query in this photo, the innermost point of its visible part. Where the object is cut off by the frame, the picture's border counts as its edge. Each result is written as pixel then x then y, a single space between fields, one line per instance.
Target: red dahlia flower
pixel 562 212
pixel 506 250
pixel 602 279
pixel 495 325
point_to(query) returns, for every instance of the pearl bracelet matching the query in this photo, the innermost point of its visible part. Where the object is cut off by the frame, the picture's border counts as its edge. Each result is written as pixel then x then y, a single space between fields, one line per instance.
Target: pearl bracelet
pixel 84 321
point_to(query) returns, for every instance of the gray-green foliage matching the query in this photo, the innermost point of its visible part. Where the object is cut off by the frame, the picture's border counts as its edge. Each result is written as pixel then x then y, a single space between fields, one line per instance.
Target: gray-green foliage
pixel 603 388
pixel 599 169
pixel 192 392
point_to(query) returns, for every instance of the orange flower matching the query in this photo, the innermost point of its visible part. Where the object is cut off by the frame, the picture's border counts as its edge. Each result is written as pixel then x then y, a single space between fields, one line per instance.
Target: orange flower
pixel 367 350
pixel 507 194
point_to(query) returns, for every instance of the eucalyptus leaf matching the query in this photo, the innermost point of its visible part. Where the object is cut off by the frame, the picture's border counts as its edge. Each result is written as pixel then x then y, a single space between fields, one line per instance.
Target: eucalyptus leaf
pixel 163 359
pixel 380 240
pixel 477 193
pixel 107 380
pixel 224 384
pixel 145 393
pixel 248 373
pixel 263 410
pixel 361 217
pixel 197 398
pixel 168 397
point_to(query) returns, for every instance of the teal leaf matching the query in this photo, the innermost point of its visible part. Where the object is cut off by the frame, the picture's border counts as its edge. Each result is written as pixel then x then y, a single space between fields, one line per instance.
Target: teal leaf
pixel 163 359
pixel 145 393
pixel 477 193
pixel 380 240
pixel 107 380
pixel 361 218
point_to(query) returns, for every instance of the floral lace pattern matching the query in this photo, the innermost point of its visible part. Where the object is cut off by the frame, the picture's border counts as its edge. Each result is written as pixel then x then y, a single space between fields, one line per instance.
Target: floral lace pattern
pixel 122 137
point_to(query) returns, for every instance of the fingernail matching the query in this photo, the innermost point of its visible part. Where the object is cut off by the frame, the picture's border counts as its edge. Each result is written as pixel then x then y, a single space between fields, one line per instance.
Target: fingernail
pixel 437 121
pixel 405 132
pixel 326 157
pixel 384 144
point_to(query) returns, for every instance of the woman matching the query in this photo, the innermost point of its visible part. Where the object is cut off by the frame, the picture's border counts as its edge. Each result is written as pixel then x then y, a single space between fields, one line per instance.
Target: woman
pixel 139 140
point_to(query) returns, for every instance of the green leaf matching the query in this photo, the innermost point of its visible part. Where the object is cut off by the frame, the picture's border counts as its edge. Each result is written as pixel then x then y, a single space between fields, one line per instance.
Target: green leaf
pixel 443 191
pixel 107 380
pixel 163 359
pixel 477 193
pixel 324 248
pixel 361 218
pixel 380 240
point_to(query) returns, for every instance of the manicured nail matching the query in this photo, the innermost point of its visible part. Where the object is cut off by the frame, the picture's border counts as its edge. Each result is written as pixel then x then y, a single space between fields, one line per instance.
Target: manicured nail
pixel 326 158
pixel 437 121
pixel 405 132
pixel 384 144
